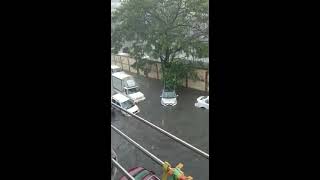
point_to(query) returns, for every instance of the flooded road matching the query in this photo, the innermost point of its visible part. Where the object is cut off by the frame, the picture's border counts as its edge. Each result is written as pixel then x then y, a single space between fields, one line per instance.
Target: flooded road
pixel 184 121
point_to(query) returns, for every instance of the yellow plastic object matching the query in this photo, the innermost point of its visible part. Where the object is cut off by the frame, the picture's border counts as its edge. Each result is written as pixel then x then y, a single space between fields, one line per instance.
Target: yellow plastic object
pixel 174 173
pixel 166 168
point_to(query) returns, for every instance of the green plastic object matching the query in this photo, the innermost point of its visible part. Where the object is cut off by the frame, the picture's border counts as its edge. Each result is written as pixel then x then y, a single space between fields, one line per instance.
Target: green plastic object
pixel 176 173
pixel 141 175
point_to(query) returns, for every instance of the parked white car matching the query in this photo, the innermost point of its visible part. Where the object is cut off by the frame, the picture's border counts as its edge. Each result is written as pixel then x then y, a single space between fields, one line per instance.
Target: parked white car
pixel 202 102
pixel 115 69
pixel 168 97
pixel 125 103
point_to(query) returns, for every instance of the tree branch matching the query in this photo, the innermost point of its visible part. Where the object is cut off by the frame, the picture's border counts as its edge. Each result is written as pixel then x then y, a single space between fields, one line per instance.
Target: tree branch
pixel 156 16
pixel 178 12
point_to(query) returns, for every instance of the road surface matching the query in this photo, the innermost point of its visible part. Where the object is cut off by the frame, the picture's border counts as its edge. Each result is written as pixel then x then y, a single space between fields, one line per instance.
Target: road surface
pixel 184 121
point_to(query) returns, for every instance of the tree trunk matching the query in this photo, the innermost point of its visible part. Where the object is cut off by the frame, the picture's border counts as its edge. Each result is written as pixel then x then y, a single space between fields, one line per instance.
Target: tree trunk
pixel 206 82
pixel 163 73
pixel 146 73
pixel 121 63
pixel 129 64
pixel 157 71
pixel 137 67
pixel 187 81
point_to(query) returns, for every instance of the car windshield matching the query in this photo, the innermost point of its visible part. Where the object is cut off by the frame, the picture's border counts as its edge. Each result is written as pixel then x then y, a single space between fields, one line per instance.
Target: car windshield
pixel 127 104
pixel 133 90
pixel 168 94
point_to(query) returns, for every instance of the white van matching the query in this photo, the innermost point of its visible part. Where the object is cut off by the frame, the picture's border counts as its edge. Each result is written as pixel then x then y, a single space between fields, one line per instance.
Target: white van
pixel 115 69
pixel 125 103
pixel 125 84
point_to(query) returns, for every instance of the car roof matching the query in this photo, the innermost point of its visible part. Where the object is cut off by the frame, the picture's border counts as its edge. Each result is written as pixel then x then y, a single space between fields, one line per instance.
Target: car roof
pixel 115 67
pixel 120 75
pixel 120 98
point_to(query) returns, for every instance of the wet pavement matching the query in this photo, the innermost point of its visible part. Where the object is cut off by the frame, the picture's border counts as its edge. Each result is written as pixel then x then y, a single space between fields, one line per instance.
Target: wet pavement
pixel 184 121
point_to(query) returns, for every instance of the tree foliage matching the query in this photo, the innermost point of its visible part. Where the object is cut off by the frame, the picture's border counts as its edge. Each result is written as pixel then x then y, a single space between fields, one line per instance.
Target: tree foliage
pixel 144 65
pixel 163 29
pixel 177 72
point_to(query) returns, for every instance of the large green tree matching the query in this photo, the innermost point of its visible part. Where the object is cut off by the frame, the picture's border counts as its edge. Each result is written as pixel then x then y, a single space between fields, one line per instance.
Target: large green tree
pixel 163 29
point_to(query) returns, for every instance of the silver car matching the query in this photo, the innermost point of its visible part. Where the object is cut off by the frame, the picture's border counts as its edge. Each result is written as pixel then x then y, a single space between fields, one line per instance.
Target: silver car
pixel 168 97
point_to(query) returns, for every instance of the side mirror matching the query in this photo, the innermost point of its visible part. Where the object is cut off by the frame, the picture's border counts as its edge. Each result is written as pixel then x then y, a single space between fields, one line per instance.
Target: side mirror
pixel 177 95
pixel 161 96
